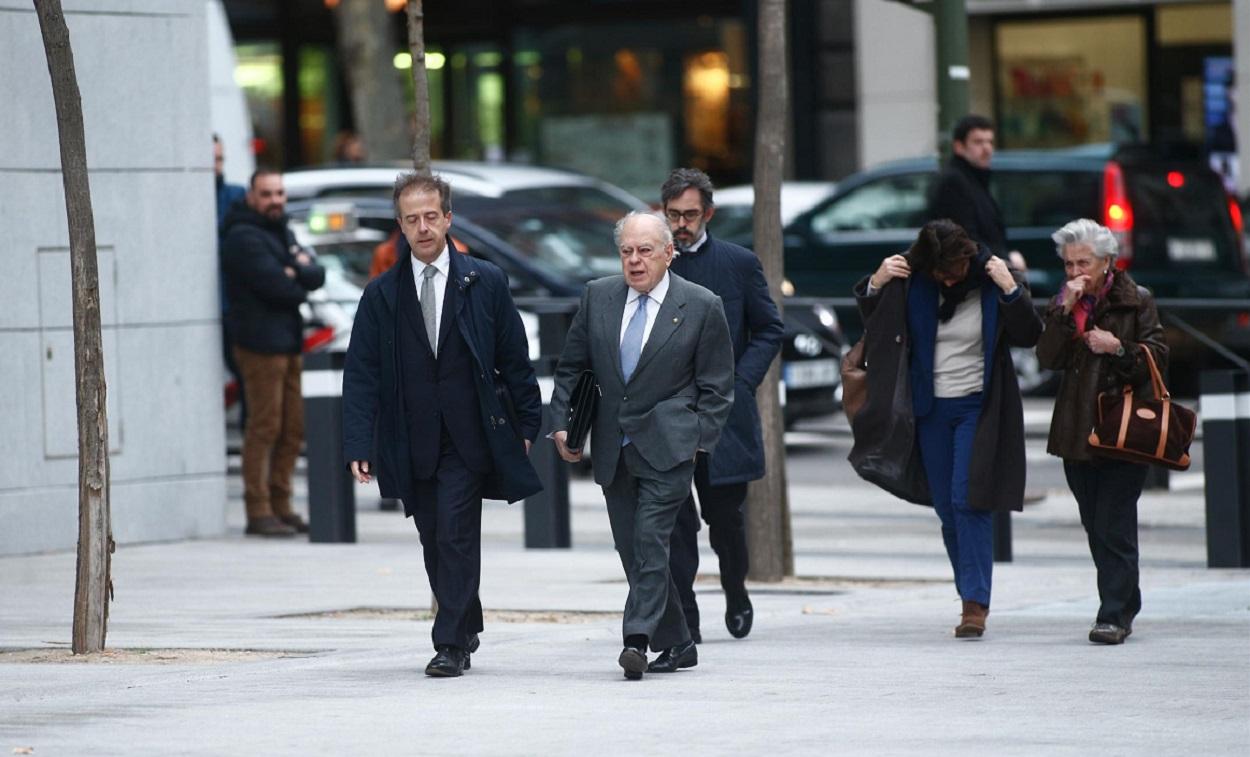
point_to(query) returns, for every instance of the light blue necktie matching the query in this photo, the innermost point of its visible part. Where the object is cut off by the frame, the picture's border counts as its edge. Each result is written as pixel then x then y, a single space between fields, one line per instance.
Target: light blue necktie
pixel 631 345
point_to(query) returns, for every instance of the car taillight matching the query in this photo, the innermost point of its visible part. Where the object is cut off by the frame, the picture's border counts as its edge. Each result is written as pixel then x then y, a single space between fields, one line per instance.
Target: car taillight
pixel 1117 212
pixel 1234 215
pixel 318 338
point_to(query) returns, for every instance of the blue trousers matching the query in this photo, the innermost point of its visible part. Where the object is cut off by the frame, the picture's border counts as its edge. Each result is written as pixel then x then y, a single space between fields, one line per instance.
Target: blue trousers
pixel 946 436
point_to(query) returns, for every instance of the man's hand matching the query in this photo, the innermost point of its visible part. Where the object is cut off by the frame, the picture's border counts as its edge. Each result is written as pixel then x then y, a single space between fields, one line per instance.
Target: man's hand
pixel 1073 290
pixel 303 258
pixel 360 471
pixel 565 453
pixel 1000 274
pixel 289 271
pixel 893 267
pixel 1101 342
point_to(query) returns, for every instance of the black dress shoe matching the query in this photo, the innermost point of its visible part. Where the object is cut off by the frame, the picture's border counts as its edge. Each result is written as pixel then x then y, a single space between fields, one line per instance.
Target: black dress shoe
pixel 634 661
pixel 448 663
pixel 685 655
pixel 738 615
pixel 469 648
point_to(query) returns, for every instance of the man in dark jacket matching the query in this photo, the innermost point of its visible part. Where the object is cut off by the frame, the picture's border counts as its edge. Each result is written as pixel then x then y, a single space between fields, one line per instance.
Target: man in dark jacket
pixel 268 276
pixel 438 353
pixel 962 191
pixel 735 274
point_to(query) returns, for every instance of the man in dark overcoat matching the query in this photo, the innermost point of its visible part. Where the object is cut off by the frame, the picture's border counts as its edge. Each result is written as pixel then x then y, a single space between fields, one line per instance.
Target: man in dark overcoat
pixel 437 353
pixel 720 479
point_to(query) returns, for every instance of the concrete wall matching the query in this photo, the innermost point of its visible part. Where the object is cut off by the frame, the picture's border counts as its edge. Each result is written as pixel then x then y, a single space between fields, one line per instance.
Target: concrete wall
pixel 897 85
pixel 142 72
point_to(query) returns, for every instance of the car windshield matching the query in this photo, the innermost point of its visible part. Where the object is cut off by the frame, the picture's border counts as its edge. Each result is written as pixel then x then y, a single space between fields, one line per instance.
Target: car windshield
pixel 567 241
pixel 734 222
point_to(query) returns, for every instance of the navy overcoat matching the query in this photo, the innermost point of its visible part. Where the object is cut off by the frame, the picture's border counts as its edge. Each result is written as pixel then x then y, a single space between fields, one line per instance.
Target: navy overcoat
pixel 490 324
pixel 755 328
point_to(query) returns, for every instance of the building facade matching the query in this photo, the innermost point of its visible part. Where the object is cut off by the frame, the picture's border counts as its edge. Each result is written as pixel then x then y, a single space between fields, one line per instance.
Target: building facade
pixel 146 114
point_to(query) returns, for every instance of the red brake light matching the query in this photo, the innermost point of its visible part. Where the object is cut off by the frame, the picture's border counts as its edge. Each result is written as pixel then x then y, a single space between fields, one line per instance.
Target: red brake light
pixel 1234 213
pixel 1176 179
pixel 1117 212
pixel 318 338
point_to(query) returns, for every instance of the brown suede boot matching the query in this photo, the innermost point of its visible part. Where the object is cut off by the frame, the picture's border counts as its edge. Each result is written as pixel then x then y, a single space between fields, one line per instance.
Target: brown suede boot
pixel 972 624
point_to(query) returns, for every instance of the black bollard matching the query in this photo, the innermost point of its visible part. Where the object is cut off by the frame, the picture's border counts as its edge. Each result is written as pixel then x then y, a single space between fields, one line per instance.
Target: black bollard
pixel 547 513
pixel 331 490
pixel 1225 414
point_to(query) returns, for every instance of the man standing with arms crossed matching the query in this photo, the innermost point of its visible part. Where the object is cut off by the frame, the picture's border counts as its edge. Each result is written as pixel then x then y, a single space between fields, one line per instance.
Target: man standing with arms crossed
pixel 437 350
pixel 268 275
pixel 735 274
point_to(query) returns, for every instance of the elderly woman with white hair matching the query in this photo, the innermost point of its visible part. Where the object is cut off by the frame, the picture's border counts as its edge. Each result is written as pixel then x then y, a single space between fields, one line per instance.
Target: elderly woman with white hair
pixel 1096 331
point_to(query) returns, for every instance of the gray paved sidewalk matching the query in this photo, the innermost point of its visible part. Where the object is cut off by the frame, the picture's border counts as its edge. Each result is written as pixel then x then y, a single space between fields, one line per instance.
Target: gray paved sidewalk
pixel 855 659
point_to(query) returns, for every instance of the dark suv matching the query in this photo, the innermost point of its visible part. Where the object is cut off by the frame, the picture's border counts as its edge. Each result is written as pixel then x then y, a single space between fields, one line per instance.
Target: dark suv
pixel 1180 233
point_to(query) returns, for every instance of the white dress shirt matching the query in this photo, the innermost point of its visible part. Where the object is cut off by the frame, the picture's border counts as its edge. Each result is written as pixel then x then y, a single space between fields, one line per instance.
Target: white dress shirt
pixel 655 298
pixel 443 265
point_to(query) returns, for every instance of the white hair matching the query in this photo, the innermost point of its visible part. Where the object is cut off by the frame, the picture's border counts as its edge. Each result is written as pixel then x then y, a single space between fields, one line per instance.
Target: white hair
pixel 1084 231
pixel 666 234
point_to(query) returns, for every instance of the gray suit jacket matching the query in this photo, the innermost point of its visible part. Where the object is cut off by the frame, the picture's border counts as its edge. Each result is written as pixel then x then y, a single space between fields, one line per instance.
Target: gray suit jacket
pixel 679 397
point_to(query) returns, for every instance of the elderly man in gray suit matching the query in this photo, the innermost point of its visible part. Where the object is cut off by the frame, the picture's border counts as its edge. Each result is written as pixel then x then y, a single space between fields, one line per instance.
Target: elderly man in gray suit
pixel 660 349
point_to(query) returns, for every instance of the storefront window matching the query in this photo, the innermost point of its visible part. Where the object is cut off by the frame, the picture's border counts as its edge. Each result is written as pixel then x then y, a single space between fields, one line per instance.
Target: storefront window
pixel 1071 81
pixel 258 72
pixel 637 102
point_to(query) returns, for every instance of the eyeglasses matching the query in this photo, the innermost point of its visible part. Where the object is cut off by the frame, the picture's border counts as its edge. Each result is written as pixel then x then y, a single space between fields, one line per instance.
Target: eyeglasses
pixel 689 216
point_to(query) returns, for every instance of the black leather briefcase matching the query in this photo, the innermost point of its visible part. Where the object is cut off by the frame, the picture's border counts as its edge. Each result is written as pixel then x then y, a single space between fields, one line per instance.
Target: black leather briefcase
pixel 582 404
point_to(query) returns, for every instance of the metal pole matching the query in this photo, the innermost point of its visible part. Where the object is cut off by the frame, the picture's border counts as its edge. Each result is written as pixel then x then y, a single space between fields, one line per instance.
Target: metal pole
pixel 950 21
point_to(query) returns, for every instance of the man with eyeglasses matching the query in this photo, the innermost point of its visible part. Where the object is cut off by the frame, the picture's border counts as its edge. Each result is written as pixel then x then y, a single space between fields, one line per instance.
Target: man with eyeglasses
pixel 735 274
pixel 660 351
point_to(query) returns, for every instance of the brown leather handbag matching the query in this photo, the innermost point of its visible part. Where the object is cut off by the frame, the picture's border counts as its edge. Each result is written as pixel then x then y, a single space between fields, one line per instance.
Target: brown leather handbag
pixel 1143 429
pixel 854 380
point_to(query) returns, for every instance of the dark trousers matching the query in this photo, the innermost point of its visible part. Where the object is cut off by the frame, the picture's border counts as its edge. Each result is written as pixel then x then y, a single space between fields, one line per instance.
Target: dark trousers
pixel 447 509
pixel 721 507
pixel 642 508
pixel 946 435
pixel 1106 492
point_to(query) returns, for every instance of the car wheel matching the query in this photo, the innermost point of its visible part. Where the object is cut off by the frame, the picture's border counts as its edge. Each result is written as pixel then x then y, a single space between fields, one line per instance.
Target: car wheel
pixel 1034 379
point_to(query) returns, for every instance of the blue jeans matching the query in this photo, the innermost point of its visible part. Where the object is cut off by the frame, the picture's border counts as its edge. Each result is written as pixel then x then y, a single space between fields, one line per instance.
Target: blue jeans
pixel 946 436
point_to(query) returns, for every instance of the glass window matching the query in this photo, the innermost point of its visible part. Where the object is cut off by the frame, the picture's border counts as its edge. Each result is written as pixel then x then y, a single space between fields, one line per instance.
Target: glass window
pixel 627 102
pixel 1047 198
pixel 563 241
pixel 1071 81
pixel 894 202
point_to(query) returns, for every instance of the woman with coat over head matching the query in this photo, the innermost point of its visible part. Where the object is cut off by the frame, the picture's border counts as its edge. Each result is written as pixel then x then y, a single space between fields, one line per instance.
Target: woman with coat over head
pixel 943 424
pixel 1097 329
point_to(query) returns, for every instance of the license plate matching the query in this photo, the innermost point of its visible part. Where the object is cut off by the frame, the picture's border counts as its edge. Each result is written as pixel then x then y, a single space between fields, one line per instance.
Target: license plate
pixel 1189 250
pixel 808 373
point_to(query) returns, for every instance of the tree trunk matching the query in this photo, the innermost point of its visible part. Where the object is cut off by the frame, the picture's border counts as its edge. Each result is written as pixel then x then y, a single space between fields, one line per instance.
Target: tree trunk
pixel 420 89
pixel 365 42
pixel 95 538
pixel 768 507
